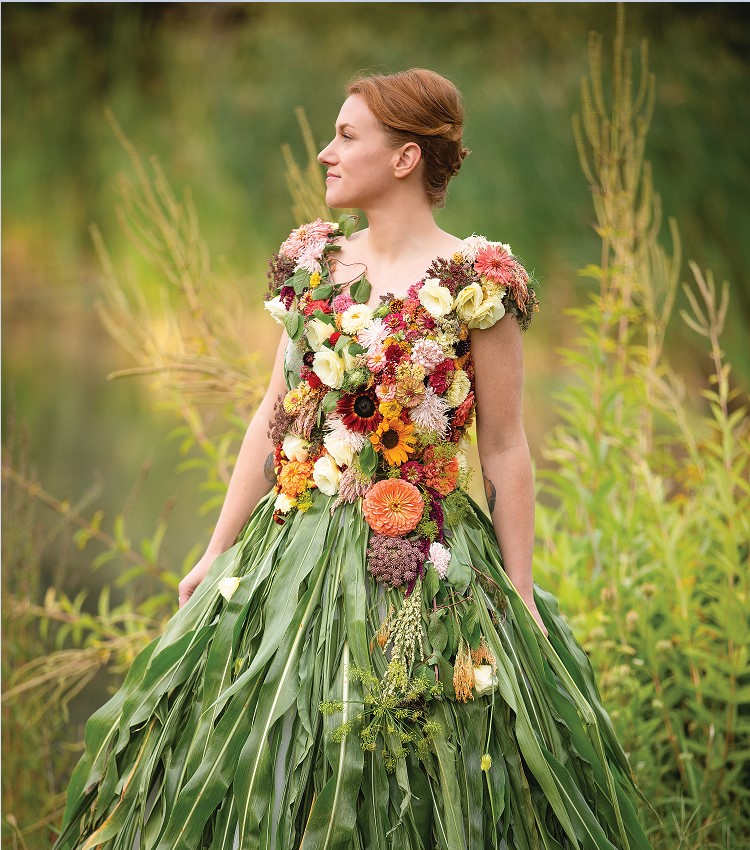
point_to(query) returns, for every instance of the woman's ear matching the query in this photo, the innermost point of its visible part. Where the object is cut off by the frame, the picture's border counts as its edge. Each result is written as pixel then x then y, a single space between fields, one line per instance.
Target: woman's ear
pixel 409 157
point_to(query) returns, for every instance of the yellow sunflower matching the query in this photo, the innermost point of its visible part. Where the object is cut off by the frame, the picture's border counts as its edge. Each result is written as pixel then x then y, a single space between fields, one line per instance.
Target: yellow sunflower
pixel 395 439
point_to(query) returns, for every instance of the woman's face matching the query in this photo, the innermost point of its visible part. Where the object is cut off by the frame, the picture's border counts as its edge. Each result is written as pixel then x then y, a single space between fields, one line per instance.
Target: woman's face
pixel 359 159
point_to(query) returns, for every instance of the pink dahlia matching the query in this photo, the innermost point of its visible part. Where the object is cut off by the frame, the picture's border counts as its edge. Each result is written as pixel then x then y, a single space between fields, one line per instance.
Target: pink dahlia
pixel 302 239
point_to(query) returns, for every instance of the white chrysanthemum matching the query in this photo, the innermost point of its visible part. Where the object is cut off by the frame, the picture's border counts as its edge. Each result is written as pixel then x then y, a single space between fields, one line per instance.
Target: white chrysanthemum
pixel 446 340
pixel 329 367
pixel 355 318
pixel 440 556
pixel 339 433
pixel 277 309
pixel 283 503
pixel 472 245
pixel 459 388
pixel 227 586
pixel 431 413
pixel 326 475
pixel 295 447
pixel 374 335
pixel 427 354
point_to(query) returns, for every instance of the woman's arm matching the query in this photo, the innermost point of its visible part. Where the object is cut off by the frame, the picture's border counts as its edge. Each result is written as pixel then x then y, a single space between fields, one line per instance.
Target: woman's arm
pixel 503 450
pixel 252 478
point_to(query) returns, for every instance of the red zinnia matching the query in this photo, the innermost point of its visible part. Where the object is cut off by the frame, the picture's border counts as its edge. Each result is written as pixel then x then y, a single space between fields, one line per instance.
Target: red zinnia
pixel 319 304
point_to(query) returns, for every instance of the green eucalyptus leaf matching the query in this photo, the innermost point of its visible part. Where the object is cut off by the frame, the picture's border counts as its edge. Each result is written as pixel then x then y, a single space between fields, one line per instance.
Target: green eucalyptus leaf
pixel 437 634
pixel 431 583
pixel 300 280
pixel 342 342
pixel 322 291
pixel 330 399
pixel 360 290
pixel 368 459
pixel 294 324
pixel 347 223
pixel 355 348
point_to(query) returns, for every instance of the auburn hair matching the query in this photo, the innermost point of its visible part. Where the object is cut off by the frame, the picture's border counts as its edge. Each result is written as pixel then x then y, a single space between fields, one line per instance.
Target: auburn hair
pixel 424 107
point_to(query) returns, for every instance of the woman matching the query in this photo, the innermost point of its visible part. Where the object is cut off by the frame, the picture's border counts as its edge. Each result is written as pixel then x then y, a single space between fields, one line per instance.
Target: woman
pixel 354 663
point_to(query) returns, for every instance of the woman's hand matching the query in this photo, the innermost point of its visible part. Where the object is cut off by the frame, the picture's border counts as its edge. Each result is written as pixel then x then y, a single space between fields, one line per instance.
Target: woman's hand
pixel 191 581
pixel 531 605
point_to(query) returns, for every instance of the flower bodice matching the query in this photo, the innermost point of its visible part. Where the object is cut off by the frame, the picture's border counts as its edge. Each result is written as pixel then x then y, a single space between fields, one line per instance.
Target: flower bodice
pixel 380 399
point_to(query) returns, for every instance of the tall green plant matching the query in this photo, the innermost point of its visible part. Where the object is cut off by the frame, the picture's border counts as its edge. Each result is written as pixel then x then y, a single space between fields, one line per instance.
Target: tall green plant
pixel 644 515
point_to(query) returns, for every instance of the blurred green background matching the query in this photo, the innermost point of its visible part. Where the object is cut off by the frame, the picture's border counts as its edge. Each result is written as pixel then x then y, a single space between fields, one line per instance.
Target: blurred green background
pixel 211 88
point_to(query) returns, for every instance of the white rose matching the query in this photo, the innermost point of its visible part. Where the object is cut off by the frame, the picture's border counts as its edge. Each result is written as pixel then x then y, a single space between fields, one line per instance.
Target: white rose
pixel 295 448
pixel 329 367
pixel 459 388
pixel 276 308
pixel 283 503
pixel 227 586
pixel 468 301
pixel 339 450
pixel 485 680
pixel 355 318
pixel 436 299
pixel 490 311
pixel 317 333
pixel 326 475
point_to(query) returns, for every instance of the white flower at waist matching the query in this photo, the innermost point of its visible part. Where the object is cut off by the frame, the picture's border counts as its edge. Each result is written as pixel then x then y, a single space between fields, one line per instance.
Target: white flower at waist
pixel 491 310
pixel 227 586
pixel 435 298
pixel 326 475
pixel 295 448
pixel 339 450
pixel 317 333
pixel 459 388
pixel 485 679
pixel 355 318
pixel 329 367
pixel 283 503
pixel 468 301
pixel 440 556
pixel 276 308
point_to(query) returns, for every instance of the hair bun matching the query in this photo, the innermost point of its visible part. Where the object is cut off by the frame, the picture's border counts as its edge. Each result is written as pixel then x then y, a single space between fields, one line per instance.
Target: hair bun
pixel 462 154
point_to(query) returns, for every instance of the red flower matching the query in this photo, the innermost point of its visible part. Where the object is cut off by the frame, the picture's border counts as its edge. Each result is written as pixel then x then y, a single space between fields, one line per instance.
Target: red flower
pixel 312 306
pixel 440 379
pixel 359 411
pixel 314 380
pixel 464 411
pixel 334 337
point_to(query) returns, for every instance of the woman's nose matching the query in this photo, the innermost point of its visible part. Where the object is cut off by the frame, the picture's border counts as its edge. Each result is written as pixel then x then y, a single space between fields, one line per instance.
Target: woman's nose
pixel 324 156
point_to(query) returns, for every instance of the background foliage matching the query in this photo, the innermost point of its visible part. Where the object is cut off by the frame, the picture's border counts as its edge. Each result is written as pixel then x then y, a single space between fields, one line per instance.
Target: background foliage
pixel 655 581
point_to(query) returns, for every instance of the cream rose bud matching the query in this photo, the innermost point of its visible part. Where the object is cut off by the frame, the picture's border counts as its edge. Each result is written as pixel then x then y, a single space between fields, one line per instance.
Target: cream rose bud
pixel 317 333
pixel 329 367
pixel 485 680
pixel 227 586
pixel 295 448
pixel 491 310
pixel 283 503
pixel 276 308
pixel 339 450
pixel 435 298
pixel 468 301
pixel 355 318
pixel 326 475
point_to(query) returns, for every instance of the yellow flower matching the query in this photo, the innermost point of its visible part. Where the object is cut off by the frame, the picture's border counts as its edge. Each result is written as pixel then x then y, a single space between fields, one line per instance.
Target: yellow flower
pixel 486 762
pixel 314 279
pixel 395 439
pixel 389 409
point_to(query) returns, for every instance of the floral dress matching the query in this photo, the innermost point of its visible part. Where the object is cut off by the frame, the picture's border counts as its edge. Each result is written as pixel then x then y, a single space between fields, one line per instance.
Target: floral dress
pixel 357 671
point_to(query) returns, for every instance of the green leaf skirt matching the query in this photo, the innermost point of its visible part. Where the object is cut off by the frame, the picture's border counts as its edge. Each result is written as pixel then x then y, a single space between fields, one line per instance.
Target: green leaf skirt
pixel 216 739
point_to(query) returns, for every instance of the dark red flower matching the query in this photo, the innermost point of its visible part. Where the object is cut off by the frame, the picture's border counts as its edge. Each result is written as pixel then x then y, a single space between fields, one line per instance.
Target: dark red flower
pixel 359 411
pixel 314 381
pixel 334 337
pixel 319 304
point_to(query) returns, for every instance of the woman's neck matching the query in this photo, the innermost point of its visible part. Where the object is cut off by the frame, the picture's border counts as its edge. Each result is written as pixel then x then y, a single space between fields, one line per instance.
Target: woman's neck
pixel 400 228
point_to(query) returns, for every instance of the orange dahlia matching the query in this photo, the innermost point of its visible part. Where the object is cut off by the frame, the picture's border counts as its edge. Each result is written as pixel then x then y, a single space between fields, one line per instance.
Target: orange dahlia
pixel 393 507
pixel 395 439
pixel 294 477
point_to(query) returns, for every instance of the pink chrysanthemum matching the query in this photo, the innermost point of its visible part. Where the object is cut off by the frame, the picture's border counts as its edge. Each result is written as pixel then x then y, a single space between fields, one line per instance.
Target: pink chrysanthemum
pixel 300 240
pixel 431 414
pixel 374 335
pixel 343 302
pixel 440 557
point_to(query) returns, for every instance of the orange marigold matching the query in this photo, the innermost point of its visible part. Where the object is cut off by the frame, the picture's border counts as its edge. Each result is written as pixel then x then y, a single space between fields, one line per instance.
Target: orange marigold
pixel 393 507
pixel 295 477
